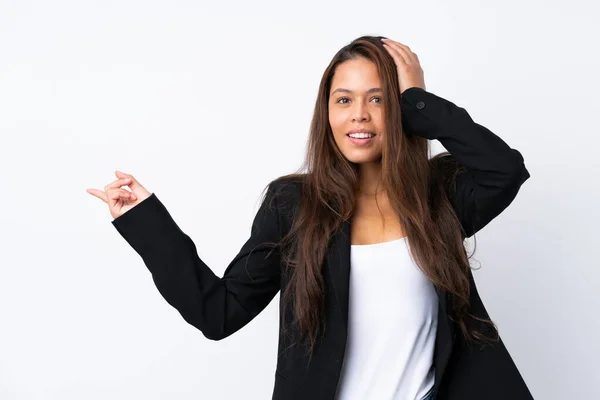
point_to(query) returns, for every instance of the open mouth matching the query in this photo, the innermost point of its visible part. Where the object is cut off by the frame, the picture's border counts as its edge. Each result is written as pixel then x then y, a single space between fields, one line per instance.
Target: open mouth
pixel 361 140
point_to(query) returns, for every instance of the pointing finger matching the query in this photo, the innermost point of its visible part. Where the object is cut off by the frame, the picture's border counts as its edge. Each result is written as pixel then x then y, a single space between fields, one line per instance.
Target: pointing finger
pixel 98 193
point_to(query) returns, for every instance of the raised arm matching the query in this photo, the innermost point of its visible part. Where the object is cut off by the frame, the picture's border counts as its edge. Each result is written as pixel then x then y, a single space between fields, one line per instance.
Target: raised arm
pixel 494 171
pixel 216 306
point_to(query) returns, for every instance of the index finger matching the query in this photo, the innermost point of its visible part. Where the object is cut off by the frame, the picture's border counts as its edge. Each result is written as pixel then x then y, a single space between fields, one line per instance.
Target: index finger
pixel 99 194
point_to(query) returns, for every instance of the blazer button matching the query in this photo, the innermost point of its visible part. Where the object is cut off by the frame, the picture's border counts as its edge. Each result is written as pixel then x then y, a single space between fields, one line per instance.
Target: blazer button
pixel 420 105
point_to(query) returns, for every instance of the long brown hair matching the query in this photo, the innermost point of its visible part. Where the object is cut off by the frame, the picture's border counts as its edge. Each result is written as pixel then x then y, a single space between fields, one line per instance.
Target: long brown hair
pixel 416 187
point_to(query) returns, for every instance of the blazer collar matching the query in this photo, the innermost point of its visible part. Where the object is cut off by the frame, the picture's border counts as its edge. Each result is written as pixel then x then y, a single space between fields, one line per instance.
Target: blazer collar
pixel 338 261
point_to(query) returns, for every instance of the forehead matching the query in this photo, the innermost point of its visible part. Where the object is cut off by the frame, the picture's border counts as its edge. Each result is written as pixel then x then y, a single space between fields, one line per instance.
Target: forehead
pixel 355 74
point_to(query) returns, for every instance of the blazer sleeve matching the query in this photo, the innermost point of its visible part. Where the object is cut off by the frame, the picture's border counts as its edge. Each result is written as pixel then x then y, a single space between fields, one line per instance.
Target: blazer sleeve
pixel 216 306
pixel 494 171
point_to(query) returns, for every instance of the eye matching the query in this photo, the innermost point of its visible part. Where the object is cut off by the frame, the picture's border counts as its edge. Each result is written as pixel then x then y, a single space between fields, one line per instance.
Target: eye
pixel 345 98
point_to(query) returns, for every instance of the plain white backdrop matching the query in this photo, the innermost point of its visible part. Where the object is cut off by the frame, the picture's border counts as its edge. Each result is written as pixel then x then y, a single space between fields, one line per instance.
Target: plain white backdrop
pixel 205 103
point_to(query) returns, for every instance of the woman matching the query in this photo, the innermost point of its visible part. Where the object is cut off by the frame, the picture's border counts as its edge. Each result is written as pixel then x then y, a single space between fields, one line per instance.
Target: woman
pixel 367 245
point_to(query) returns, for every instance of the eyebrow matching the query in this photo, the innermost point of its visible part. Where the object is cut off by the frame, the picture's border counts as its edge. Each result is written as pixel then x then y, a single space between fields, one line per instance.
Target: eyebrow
pixel 372 90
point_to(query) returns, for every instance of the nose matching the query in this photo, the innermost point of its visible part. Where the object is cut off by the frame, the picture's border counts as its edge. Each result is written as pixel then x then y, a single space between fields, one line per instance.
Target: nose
pixel 360 113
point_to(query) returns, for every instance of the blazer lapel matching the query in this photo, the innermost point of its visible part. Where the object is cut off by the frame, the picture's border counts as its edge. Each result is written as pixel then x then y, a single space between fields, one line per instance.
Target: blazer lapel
pixel 338 265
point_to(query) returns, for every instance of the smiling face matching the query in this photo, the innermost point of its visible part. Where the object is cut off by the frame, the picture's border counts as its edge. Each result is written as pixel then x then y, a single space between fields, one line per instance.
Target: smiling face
pixel 356 103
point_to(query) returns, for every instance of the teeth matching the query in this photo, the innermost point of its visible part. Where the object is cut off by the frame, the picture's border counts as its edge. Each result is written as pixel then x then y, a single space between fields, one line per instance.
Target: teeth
pixel 361 135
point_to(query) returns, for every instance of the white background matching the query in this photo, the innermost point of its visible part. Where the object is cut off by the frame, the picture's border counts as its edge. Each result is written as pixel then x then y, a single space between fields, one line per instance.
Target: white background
pixel 205 104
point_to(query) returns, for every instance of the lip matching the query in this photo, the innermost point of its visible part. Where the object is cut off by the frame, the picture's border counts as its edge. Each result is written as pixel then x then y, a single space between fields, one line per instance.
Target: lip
pixel 360 142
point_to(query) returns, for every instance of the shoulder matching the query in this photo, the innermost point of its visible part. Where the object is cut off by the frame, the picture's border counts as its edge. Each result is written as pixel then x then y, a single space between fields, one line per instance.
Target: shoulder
pixel 287 187
pixel 445 164
pixel 445 171
pixel 284 193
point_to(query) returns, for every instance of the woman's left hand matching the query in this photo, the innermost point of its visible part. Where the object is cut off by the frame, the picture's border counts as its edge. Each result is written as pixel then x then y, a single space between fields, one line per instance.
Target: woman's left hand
pixel 410 73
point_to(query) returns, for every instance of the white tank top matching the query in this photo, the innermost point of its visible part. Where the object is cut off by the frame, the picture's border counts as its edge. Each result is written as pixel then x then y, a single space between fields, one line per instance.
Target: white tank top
pixel 392 324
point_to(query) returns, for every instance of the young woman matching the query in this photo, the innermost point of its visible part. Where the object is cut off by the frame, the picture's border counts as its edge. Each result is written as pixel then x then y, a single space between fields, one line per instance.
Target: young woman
pixel 366 245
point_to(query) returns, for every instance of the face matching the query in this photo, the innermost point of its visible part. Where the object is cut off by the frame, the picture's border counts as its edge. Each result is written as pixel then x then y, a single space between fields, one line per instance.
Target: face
pixel 356 103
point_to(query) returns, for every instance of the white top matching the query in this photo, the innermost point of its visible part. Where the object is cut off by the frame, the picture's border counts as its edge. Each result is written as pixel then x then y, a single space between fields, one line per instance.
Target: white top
pixel 392 324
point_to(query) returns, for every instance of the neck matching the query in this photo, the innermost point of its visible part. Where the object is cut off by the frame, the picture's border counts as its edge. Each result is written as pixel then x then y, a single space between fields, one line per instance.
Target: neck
pixel 369 178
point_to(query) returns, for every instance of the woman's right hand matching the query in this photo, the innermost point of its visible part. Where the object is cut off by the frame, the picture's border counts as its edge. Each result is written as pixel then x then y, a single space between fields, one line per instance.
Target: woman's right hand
pixel 120 200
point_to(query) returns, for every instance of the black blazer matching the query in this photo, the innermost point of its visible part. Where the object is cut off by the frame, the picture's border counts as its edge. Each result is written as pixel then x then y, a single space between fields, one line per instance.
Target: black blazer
pixel 220 306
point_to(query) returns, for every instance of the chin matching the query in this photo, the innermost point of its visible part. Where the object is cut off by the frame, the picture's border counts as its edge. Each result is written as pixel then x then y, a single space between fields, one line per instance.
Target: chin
pixel 363 158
